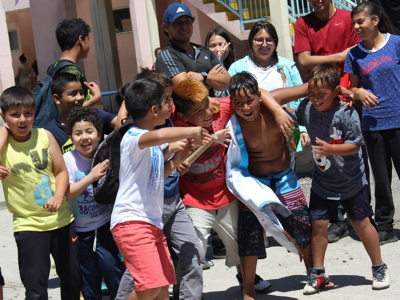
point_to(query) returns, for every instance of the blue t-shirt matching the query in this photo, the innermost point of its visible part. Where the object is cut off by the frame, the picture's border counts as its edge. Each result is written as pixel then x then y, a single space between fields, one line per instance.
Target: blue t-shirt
pixel 379 72
pixel 335 177
pixel 60 132
pixel 171 183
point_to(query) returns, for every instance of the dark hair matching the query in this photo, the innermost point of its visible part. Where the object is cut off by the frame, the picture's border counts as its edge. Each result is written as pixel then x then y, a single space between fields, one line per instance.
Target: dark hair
pixel 373 10
pixel 325 73
pixel 16 96
pixel 219 31
pixel 257 27
pixel 120 97
pixel 156 51
pixel 243 82
pixel 68 32
pixel 86 114
pixel 60 81
pixel 22 58
pixel 141 95
pixel 155 75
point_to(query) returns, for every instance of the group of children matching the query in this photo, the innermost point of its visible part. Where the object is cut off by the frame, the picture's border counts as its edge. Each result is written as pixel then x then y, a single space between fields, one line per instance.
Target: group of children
pixel 54 212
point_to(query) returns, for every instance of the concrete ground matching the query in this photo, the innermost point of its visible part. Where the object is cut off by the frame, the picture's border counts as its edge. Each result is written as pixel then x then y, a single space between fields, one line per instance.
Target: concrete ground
pixel 346 262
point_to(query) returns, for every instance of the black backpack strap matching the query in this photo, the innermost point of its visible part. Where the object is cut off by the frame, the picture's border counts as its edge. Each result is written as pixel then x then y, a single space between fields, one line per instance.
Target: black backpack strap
pixel 61 65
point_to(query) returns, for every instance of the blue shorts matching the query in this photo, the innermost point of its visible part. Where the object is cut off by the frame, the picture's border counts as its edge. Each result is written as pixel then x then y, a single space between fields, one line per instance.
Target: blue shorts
pixel 356 207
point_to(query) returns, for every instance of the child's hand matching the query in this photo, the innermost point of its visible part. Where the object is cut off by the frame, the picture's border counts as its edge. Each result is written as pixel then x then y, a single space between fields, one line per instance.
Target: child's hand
pixel 99 170
pixel 177 146
pixel 94 91
pixel 202 136
pixel 183 168
pixel 348 95
pixel 224 138
pixel 305 138
pixel 284 122
pixel 181 155
pixel 368 99
pixel 4 172
pixel 323 148
pixel 53 204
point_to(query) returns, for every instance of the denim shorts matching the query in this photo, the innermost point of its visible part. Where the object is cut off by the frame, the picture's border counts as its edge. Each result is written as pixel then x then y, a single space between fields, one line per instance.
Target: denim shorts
pixel 356 207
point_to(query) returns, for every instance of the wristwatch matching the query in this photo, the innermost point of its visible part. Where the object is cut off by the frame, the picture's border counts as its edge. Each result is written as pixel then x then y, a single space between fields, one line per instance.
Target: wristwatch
pixel 204 74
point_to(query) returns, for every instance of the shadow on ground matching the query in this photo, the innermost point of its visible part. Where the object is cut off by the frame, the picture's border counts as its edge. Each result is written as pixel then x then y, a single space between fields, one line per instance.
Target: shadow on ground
pixel 235 293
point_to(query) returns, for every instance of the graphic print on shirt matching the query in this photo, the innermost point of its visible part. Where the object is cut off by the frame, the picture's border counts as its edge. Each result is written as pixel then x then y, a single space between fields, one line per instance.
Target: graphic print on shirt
pixel 156 169
pixel 336 137
pixel 42 191
pixel 321 161
pixel 206 168
pixel 85 205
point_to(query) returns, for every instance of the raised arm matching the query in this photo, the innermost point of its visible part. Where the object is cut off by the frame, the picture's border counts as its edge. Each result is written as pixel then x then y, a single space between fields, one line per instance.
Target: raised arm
pixel 173 134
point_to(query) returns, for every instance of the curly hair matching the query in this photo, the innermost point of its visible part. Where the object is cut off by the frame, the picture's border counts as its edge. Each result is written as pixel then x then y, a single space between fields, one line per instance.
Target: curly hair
pixel 187 92
pixel 86 114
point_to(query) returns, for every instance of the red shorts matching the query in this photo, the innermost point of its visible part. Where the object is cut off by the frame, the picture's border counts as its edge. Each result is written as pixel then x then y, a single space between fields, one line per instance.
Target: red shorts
pixel 144 249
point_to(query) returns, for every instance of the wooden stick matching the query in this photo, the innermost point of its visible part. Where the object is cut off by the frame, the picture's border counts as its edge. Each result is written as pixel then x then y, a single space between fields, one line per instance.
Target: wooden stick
pixel 201 150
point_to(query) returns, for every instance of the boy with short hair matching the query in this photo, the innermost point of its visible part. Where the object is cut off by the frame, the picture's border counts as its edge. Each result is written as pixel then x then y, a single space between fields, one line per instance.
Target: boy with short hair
pixel 67 93
pixel 178 227
pixel 98 252
pixel 73 38
pixel 35 180
pixel 137 213
pixel 338 175
pixel 266 159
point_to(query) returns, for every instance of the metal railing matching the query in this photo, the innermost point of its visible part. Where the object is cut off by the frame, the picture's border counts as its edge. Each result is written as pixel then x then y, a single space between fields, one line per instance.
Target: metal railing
pixel 248 11
pixel 300 8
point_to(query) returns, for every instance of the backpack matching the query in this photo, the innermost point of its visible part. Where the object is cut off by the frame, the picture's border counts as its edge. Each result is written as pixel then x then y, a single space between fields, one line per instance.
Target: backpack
pixel 106 188
pixel 45 108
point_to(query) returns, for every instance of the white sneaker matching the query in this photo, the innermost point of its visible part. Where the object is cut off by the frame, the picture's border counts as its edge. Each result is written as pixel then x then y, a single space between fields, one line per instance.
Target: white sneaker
pixel 380 278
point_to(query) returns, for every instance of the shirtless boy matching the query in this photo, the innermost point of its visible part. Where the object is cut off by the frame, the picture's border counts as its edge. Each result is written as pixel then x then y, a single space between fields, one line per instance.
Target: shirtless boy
pixel 268 163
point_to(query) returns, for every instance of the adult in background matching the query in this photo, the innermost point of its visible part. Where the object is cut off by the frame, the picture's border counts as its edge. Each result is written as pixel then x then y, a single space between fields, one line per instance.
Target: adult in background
pixel 325 36
pixel 25 73
pixel 219 41
pixel 182 59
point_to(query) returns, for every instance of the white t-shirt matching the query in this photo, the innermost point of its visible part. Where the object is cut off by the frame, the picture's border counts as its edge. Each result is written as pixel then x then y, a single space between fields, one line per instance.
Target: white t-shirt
pixel 89 215
pixel 270 79
pixel 141 182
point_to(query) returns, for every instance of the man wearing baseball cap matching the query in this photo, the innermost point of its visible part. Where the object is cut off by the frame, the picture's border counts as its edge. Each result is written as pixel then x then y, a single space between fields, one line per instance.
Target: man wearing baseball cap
pixel 182 59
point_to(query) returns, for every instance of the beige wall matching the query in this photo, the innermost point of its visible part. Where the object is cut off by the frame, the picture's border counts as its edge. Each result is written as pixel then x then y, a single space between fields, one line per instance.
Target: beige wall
pixel 21 21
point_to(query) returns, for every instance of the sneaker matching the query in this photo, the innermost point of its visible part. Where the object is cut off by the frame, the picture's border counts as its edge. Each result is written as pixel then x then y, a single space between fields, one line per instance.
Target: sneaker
pixel 219 253
pixel 207 265
pixel 386 237
pixel 380 278
pixel 260 285
pixel 315 282
pixel 336 231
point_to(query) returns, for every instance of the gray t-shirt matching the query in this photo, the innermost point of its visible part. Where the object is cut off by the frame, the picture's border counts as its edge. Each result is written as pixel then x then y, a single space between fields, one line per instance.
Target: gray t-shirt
pixel 334 177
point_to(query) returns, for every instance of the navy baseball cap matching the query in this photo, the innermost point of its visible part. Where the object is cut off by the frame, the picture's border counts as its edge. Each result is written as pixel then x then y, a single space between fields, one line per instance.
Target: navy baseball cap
pixel 176 10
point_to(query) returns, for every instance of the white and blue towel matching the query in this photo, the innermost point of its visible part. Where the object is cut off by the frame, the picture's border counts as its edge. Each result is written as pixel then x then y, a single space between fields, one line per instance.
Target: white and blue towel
pixel 257 197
